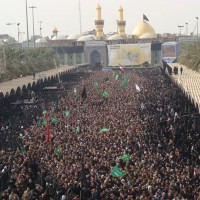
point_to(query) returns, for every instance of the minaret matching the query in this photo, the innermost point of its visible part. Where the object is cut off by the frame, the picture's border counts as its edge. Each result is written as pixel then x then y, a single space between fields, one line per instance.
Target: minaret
pixel 121 23
pixel 99 23
pixel 55 31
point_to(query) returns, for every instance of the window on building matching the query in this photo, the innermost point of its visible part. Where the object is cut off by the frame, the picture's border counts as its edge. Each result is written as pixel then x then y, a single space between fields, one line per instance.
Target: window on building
pixel 78 58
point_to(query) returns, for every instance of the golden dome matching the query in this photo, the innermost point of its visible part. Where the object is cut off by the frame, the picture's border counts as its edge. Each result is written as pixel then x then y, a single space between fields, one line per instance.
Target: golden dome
pixel 142 28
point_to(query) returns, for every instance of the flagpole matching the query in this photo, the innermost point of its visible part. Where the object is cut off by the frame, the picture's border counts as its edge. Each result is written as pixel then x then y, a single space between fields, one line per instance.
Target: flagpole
pixel 80 17
pixel 27 33
pixel 82 173
pixel 47 130
pixel 197 18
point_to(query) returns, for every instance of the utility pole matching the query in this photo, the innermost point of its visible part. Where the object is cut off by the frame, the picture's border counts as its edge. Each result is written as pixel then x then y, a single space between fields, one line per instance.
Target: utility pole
pixel 180 29
pixel 197 27
pixel 18 31
pixel 80 17
pixel 4 58
pixel 186 29
pixel 197 31
pixel 180 37
pixel 40 28
pixel 32 7
pixel 27 24
pixel 186 33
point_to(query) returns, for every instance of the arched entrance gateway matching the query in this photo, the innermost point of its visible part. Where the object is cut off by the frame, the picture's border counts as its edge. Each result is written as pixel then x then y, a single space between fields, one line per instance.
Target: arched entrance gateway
pixel 95 59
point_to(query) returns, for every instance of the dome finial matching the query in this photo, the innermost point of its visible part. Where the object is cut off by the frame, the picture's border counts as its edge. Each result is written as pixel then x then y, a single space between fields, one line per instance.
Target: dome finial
pixel 120 8
pixel 55 31
pixel 98 6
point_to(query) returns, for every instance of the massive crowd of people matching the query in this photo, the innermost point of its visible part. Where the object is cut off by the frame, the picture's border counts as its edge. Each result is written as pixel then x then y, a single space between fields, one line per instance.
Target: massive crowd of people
pixel 153 123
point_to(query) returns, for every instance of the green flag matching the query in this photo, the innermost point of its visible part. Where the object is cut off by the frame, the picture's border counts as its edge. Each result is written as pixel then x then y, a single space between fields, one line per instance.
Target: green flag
pixel 124 83
pixel 96 83
pixel 113 73
pixel 54 120
pixel 9 124
pixel 140 72
pixel 126 157
pixel 40 122
pixel 116 172
pixel 105 94
pixel 77 129
pixel 77 97
pixel 58 150
pixel 23 150
pixel 67 113
pixel 118 76
pixel 44 112
pixel 106 79
pixel 44 122
pixel 103 130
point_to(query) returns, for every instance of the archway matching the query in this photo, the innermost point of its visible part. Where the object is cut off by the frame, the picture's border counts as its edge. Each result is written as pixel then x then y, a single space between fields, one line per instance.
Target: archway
pixel 95 59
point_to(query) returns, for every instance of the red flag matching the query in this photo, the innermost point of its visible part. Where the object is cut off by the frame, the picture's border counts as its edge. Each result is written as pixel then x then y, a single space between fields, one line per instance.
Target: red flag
pixel 47 130
pixel 122 70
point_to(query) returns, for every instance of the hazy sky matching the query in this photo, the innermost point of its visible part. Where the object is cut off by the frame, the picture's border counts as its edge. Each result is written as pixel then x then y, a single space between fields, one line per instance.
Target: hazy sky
pixel 164 15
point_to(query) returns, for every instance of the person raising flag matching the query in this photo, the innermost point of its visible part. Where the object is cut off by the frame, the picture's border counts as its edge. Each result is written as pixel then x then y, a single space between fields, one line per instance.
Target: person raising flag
pixel 84 94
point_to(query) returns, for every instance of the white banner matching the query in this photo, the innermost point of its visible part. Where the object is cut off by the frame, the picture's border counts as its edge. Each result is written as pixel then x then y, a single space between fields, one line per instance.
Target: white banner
pixel 129 54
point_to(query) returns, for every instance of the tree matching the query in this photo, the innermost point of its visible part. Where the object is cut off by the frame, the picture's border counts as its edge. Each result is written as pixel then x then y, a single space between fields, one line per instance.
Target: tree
pixel 190 55
pixel 24 61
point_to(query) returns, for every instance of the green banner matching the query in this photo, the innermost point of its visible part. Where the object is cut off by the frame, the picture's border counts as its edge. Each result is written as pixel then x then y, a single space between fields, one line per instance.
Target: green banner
pixel 124 83
pixel 77 129
pixel 126 157
pixel 96 83
pixel 116 172
pixel 58 150
pixel 54 120
pixel 105 94
pixel 103 130
pixel 67 113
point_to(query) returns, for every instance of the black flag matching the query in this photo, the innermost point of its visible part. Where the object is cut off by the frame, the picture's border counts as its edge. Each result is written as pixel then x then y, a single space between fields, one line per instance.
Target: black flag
pixel 145 17
pixel 84 94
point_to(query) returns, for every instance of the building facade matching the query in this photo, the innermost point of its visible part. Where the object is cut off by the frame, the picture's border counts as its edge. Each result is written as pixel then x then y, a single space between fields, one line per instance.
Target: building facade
pixel 94 47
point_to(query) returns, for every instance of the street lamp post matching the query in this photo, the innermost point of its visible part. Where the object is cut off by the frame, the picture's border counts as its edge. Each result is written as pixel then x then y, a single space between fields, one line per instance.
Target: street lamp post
pixel 4 56
pixel 197 33
pixel 180 29
pixel 40 28
pixel 80 17
pixel 27 24
pixel 186 33
pixel 32 7
pixel 186 29
pixel 197 27
pixel 18 31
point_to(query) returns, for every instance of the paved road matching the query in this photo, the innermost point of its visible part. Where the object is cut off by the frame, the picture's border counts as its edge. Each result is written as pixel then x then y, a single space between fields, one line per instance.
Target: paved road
pixel 19 82
pixel 189 81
